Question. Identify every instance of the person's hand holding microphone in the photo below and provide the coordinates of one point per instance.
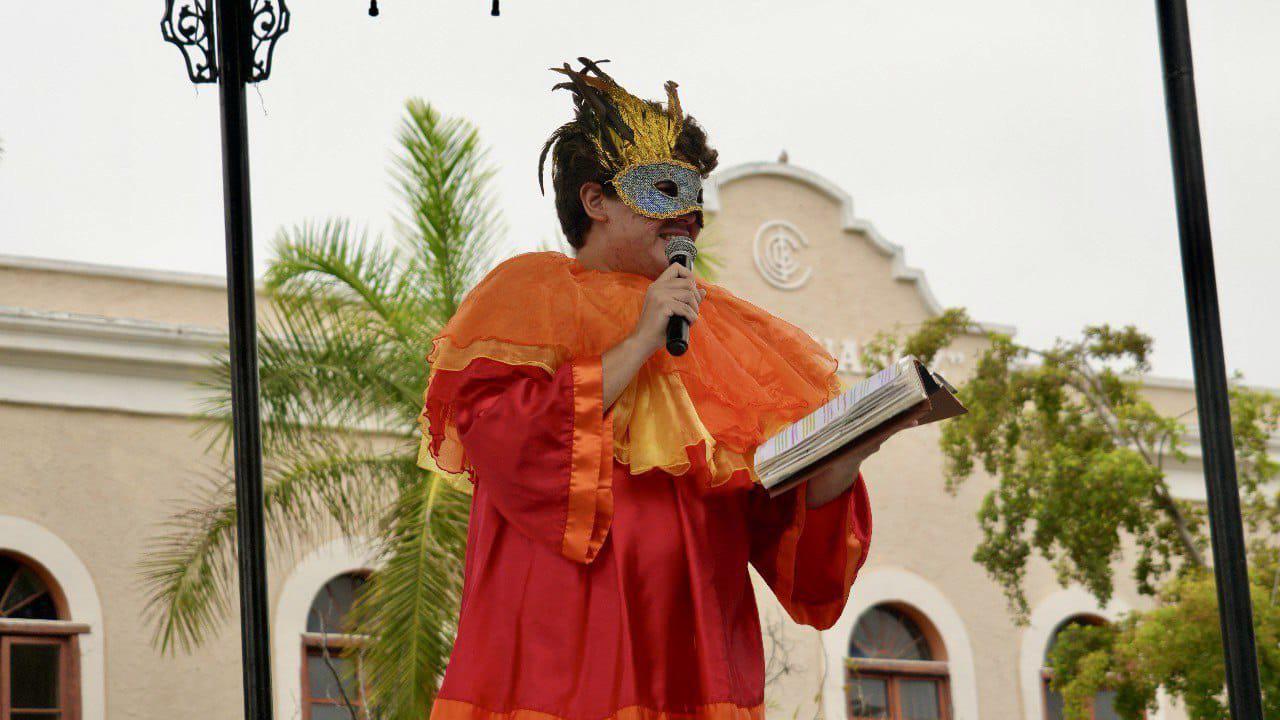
(673, 294)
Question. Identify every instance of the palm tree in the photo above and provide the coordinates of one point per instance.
(342, 372)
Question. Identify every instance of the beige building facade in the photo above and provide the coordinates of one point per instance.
(97, 366)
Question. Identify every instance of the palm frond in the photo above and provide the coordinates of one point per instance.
(330, 263)
(450, 223)
(189, 571)
(344, 347)
(322, 368)
(409, 607)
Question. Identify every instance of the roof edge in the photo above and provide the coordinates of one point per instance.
(124, 272)
(849, 221)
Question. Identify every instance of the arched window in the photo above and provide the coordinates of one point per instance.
(331, 685)
(39, 673)
(1103, 702)
(897, 667)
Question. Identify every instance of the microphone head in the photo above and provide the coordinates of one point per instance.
(681, 250)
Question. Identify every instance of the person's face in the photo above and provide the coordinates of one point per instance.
(631, 242)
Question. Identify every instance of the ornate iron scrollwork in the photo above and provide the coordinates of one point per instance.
(270, 20)
(189, 25)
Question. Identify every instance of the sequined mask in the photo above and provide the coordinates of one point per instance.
(661, 190)
(635, 142)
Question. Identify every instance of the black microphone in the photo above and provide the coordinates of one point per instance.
(679, 250)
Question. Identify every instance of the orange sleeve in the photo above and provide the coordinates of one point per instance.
(810, 556)
(542, 446)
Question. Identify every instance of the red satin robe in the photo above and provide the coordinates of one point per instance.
(590, 593)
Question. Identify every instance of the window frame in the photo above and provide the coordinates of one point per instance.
(61, 632)
(68, 672)
(893, 672)
(338, 645)
(1046, 676)
(1046, 672)
(314, 645)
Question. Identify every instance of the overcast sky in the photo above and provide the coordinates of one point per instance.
(1016, 149)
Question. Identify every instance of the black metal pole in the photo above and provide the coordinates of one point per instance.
(1235, 613)
(234, 62)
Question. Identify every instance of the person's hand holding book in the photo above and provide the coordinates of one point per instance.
(833, 474)
(828, 445)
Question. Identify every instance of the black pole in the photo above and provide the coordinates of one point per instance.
(1235, 613)
(234, 62)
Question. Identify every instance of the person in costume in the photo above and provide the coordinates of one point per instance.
(615, 508)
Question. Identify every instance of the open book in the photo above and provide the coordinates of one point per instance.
(904, 389)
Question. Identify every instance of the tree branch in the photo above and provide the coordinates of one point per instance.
(1087, 385)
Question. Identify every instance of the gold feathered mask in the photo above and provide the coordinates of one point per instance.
(634, 141)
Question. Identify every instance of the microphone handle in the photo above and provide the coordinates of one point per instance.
(677, 334)
(678, 325)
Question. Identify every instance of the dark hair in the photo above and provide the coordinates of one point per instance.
(575, 161)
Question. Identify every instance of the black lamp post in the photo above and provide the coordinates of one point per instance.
(231, 42)
(245, 40)
(1235, 612)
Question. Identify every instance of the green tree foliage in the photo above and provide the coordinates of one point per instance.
(1079, 456)
(1177, 645)
(342, 373)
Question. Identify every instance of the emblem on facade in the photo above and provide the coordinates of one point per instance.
(777, 248)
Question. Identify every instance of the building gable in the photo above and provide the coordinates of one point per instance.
(789, 241)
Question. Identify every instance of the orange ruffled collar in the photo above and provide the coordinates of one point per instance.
(746, 375)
